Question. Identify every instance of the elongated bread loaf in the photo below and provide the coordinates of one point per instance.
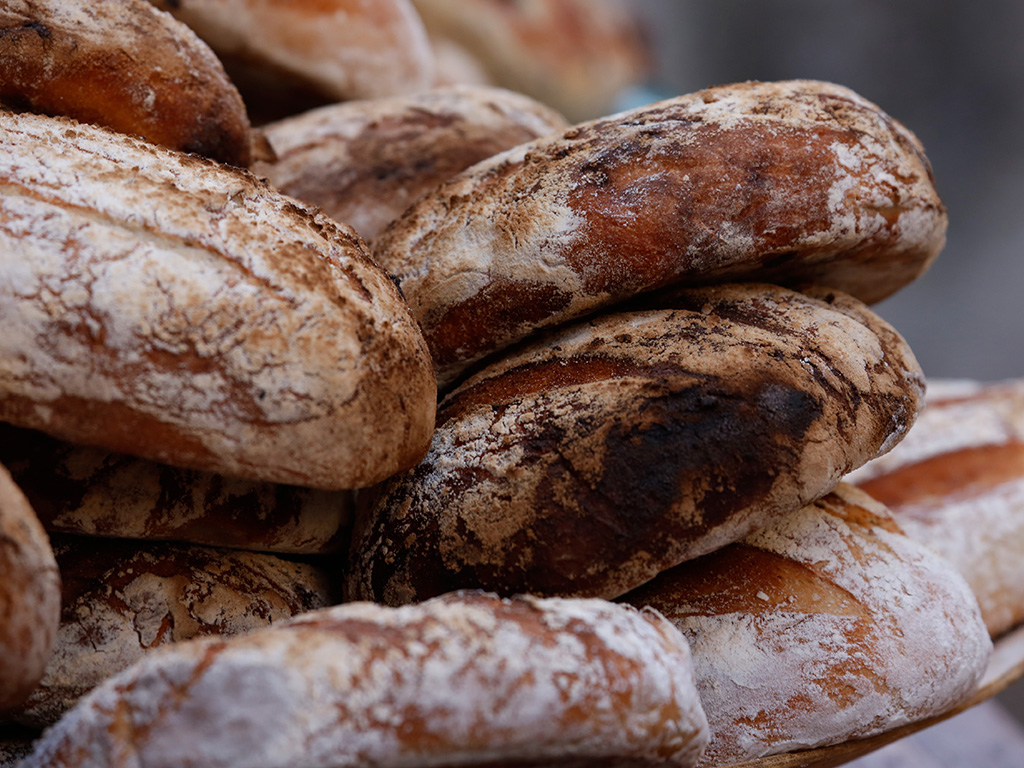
(957, 486)
(89, 491)
(123, 599)
(462, 680)
(364, 162)
(29, 597)
(589, 461)
(125, 65)
(782, 182)
(163, 306)
(827, 626)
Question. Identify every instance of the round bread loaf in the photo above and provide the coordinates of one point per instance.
(164, 306)
(576, 55)
(957, 486)
(123, 599)
(591, 460)
(29, 597)
(462, 680)
(83, 490)
(365, 162)
(331, 50)
(828, 625)
(125, 65)
(782, 182)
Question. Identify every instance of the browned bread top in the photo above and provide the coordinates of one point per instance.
(828, 625)
(164, 306)
(782, 182)
(605, 452)
(125, 65)
(29, 597)
(364, 162)
(462, 680)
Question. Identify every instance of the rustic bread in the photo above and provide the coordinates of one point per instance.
(57, 58)
(462, 680)
(781, 182)
(29, 597)
(331, 50)
(89, 491)
(164, 306)
(15, 744)
(123, 599)
(365, 162)
(827, 626)
(957, 486)
(576, 55)
(589, 461)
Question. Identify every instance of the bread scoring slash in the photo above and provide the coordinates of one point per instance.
(167, 307)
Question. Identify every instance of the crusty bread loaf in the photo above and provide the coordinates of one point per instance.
(333, 49)
(364, 162)
(782, 182)
(29, 597)
(462, 680)
(89, 491)
(827, 626)
(15, 744)
(164, 306)
(123, 599)
(957, 486)
(576, 55)
(125, 65)
(589, 461)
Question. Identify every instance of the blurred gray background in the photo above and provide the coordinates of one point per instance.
(953, 72)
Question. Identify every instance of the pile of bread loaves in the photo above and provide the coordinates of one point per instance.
(427, 426)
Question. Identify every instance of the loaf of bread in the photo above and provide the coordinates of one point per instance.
(15, 744)
(364, 162)
(957, 486)
(462, 680)
(303, 51)
(576, 55)
(164, 306)
(827, 626)
(125, 65)
(782, 182)
(29, 597)
(90, 491)
(591, 460)
(123, 599)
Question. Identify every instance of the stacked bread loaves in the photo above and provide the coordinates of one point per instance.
(618, 537)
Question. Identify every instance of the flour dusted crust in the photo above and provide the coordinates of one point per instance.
(125, 65)
(463, 680)
(29, 597)
(784, 182)
(576, 55)
(84, 490)
(588, 462)
(123, 599)
(337, 49)
(160, 305)
(364, 162)
(957, 486)
(828, 625)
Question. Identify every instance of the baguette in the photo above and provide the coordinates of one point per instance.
(170, 308)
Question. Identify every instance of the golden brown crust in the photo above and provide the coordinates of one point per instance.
(587, 462)
(462, 680)
(124, 65)
(364, 162)
(784, 182)
(29, 597)
(123, 599)
(576, 55)
(88, 491)
(826, 626)
(174, 309)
